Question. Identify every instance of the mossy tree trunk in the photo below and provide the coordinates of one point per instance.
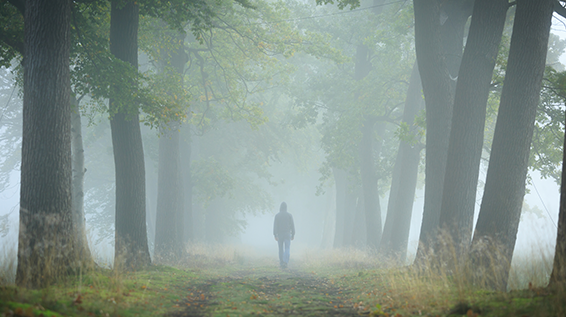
(46, 247)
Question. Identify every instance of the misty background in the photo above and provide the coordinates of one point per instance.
(295, 179)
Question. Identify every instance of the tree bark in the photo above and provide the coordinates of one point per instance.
(403, 180)
(77, 191)
(131, 249)
(468, 120)
(496, 229)
(437, 77)
(558, 275)
(46, 247)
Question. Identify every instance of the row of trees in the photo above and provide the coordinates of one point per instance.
(456, 83)
(356, 81)
(223, 84)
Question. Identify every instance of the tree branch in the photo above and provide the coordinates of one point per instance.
(558, 8)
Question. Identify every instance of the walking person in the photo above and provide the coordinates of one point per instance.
(284, 232)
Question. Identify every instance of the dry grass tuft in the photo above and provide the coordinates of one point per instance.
(8, 262)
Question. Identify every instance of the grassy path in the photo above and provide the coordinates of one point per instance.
(268, 291)
(336, 285)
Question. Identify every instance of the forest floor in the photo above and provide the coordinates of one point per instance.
(338, 284)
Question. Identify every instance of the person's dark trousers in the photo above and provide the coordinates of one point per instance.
(284, 242)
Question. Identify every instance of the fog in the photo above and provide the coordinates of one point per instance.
(284, 147)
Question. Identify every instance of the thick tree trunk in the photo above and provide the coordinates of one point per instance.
(496, 229)
(131, 249)
(170, 220)
(404, 180)
(77, 192)
(46, 247)
(437, 75)
(468, 121)
(558, 276)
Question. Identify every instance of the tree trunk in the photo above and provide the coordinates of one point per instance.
(437, 79)
(496, 229)
(168, 238)
(341, 181)
(131, 249)
(468, 120)
(350, 210)
(170, 218)
(558, 276)
(185, 154)
(367, 165)
(359, 235)
(404, 180)
(454, 16)
(369, 185)
(77, 192)
(46, 247)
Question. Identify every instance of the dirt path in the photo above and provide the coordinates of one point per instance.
(268, 292)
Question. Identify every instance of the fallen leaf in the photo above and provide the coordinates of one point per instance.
(78, 300)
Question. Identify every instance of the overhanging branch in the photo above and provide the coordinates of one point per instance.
(558, 8)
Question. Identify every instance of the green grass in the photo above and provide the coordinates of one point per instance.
(226, 281)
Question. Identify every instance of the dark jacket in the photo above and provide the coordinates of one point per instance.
(283, 225)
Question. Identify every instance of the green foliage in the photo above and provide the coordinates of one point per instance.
(412, 133)
(341, 3)
(330, 94)
(212, 180)
(548, 138)
(11, 33)
(239, 59)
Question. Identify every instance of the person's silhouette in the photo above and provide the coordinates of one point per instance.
(284, 232)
